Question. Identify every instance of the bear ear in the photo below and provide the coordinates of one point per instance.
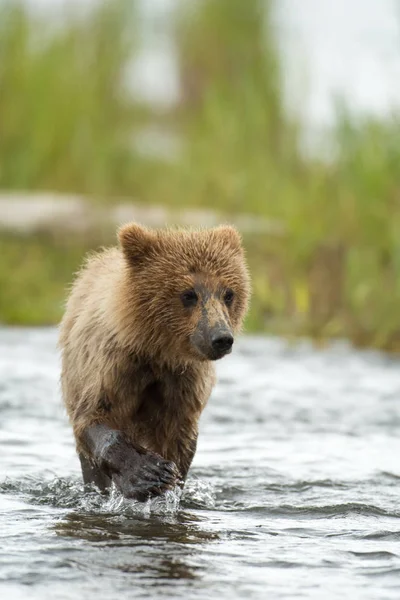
(136, 242)
(229, 236)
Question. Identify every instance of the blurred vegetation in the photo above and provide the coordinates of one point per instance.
(34, 275)
(68, 123)
(66, 119)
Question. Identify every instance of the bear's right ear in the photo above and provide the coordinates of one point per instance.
(136, 242)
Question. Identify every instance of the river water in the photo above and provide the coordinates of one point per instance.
(294, 491)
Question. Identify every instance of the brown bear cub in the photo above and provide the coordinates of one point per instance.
(142, 327)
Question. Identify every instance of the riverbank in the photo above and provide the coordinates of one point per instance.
(44, 238)
(31, 213)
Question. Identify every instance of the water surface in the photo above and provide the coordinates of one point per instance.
(294, 491)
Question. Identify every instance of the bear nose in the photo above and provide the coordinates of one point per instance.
(222, 342)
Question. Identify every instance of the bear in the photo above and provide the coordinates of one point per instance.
(142, 327)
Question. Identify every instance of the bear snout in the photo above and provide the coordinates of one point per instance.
(221, 343)
(214, 343)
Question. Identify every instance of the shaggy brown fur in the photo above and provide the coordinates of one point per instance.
(137, 343)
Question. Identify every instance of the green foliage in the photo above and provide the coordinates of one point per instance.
(68, 123)
(236, 132)
(35, 272)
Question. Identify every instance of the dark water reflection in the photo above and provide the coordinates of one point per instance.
(294, 492)
(156, 550)
(181, 529)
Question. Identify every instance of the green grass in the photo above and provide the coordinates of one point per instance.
(35, 273)
(327, 297)
(335, 271)
(68, 124)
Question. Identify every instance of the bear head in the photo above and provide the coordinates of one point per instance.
(186, 291)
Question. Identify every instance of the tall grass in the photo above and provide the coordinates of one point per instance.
(236, 131)
(35, 272)
(334, 271)
(68, 123)
(66, 119)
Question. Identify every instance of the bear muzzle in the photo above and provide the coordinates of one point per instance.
(214, 343)
(222, 343)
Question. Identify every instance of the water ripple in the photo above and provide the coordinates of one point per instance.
(294, 491)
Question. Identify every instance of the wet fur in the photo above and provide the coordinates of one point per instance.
(128, 360)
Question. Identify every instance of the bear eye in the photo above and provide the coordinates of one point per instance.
(189, 298)
(228, 297)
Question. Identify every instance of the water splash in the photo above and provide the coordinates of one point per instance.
(167, 504)
(198, 493)
(72, 494)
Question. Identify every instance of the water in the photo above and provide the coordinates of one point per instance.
(294, 491)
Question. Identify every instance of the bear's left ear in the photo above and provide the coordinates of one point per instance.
(229, 236)
(137, 242)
